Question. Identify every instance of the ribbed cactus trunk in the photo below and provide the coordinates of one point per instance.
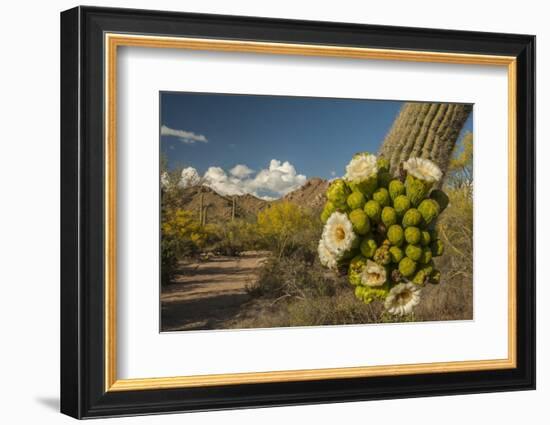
(425, 130)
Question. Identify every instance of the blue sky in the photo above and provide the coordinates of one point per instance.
(316, 136)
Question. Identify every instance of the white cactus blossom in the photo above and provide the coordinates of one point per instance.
(423, 169)
(373, 274)
(402, 299)
(338, 235)
(327, 258)
(361, 167)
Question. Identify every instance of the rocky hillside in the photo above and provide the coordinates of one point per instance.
(311, 194)
(219, 207)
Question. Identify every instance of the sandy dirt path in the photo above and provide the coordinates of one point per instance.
(210, 293)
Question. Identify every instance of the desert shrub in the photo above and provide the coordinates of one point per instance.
(337, 309)
(342, 308)
(456, 224)
(456, 231)
(286, 227)
(181, 236)
(452, 299)
(234, 237)
(292, 277)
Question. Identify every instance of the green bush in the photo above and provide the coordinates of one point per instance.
(234, 237)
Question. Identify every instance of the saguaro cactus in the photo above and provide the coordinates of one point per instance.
(425, 130)
(204, 215)
(233, 207)
(201, 207)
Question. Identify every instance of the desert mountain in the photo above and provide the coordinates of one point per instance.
(311, 194)
(219, 207)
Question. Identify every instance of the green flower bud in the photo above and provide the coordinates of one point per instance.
(415, 189)
(373, 210)
(396, 188)
(383, 164)
(414, 252)
(407, 267)
(428, 268)
(425, 238)
(382, 255)
(426, 255)
(360, 221)
(437, 248)
(435, 277)
(396, 254)
(389, 216)
(401, 204)
(395, 235)
(356, 266)
(327, 211)
(429, 210)
(384, 179)
(420, 278)
(338, 192)
(382, 196)
(371, 293)
(366, 187)
(356, 200)
(412, 218)
(441, 198)
(368, 247)
(412, 235)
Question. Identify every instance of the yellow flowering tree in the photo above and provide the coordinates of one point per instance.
(283, 225)
(181, 236)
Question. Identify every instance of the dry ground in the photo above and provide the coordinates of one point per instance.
(212, 295)
(208, 294)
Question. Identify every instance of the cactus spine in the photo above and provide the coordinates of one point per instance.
(425, 130)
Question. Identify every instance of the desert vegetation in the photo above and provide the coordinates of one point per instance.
(289, 286)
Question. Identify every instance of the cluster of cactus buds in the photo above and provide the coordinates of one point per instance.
(393, 222)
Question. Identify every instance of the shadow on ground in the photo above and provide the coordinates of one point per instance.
(201, 313)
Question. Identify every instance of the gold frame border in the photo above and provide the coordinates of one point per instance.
(113, 41)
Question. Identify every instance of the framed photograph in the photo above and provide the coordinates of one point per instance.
(261, 212)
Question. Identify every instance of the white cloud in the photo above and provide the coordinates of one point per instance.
(189, 177)
(184, 136)
(279, 178)
(270, 183)
(241, 171)
(217, 179)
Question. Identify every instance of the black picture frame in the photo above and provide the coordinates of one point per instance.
(83, 392)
